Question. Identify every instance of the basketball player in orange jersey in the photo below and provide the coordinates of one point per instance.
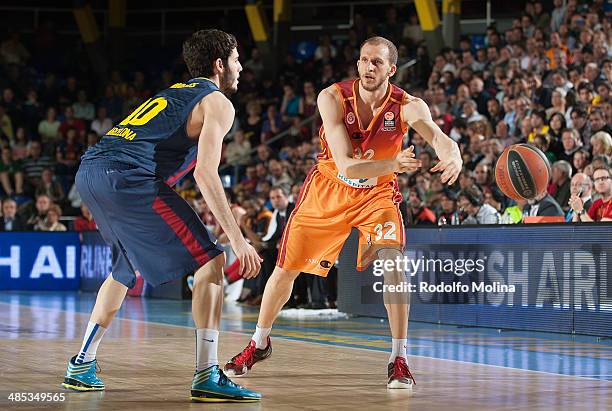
(354, 185)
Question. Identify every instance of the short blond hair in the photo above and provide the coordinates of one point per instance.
(378, 40)
(605, 139)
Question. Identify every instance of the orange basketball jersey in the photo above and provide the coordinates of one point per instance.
(379, 140)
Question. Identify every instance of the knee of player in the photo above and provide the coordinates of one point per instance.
(390, 265)
(219, 261)
(212, 271)
(282, 275)
(392, 254)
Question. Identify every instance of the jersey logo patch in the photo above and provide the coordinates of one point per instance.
(350, 118)
(389, 121)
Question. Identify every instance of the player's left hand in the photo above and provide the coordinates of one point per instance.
(450, 163)
(406, 163)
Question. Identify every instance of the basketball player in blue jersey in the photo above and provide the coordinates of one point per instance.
(126, 180)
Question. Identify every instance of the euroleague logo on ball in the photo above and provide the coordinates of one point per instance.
(350, 118)
(521, 178)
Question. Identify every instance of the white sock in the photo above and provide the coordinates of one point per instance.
(261, 337)
(207, 341)
(92, 339)
(398, 348)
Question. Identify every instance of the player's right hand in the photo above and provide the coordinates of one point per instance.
(405, 161)
(250, 261)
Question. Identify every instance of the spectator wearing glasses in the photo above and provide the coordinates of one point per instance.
(582, 187)
(601, 210)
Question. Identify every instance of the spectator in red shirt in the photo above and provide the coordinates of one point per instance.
(601, 210)
(85, 221)
(417, 212)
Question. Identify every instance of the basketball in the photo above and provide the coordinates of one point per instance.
(522, 172)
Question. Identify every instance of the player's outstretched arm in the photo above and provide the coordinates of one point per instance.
(342, 150)
(218, 114)
(418, 117)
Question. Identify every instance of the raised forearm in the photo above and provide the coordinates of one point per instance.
(436, 138)
(354, 168)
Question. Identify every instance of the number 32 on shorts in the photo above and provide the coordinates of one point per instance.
(385, 231)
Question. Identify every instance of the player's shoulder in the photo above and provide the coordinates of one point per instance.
(412, 103)
(407, 98)
(216, 102)
(329, 95)
(214, 105)
(413, 108)
(340, 89)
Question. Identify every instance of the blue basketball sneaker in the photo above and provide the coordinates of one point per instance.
(82, 377)
(212, 385)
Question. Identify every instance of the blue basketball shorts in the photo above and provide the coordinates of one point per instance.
(149, 227)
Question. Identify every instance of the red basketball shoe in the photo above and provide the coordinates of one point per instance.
(399, 374)
(240, 364)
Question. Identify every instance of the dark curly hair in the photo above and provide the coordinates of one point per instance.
(204, 47)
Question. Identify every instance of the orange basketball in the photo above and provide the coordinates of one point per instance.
(522, 172)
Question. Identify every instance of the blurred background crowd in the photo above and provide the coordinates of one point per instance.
(546, 81)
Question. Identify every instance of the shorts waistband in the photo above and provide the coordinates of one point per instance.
(328, 174)
(103, 162)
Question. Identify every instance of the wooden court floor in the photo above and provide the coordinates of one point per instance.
(148, 366)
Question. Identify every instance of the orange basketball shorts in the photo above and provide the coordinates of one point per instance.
(324, 215)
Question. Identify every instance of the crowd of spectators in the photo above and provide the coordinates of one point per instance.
(545, 81)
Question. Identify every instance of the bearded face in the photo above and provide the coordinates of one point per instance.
(228, 79)
(374, 67)
(228, 82)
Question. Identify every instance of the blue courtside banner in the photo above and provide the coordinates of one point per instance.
(96, 261)
(536, 277)
(39, 261)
